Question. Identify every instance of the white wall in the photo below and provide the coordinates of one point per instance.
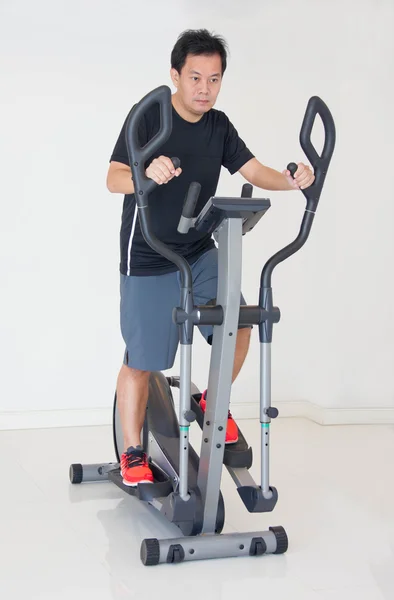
(70, 72)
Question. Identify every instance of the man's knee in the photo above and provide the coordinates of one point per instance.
(135, 374)
(244, 333)
(243, 339)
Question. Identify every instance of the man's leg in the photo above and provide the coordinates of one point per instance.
(131, 398)
(205, 281)
(132, 395)
(241, 350)
(151, 342)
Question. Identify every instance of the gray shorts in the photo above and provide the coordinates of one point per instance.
(146, 305)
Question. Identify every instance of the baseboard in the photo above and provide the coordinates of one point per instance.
(319, 414)
(43, 419)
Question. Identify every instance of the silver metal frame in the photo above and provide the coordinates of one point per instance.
(209, 545)
(184, 425)
(221, 368)
(265, 403)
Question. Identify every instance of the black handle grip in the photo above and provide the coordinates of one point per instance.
(320, 164)
(292, 167)
(191, 200)
(176, 162)
(137, 155)
(247, 190)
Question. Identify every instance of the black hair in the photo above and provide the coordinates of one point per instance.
(197, 42)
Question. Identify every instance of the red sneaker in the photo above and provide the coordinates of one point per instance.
(134, 467)
(232, 429)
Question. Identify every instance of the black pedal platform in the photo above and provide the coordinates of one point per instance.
(146, 492)
(237, 456)
(254, 500)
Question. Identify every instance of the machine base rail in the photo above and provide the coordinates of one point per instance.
(202, 547)
(99, 472)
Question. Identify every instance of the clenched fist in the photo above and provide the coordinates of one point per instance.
(303, 178)
(161, 170)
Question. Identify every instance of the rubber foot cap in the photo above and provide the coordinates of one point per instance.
(150, 552)
(282, 542)
(76, 473)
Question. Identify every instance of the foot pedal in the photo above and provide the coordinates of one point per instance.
(252, 497)
(162, 485)
(237, 456)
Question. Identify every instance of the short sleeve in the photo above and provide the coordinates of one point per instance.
(235, 152)
(119, 153)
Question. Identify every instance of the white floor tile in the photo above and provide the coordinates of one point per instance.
(41, 557)
(335, 501)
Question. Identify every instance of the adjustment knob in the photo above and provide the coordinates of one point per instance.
(272, 412)
(189, 415)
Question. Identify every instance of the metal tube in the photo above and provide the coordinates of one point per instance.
(210, 546)
(220, 370)
(287, 251)
(184, 425)
(265, 403)
(98, 472)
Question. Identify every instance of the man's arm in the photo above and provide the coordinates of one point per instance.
(264, 177)
(119, 179)
(268, 179)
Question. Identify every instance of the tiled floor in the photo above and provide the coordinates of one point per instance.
(336, 501)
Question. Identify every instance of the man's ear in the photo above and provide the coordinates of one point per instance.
(174, 76)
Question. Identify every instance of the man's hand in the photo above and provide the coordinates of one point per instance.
(161, 170)
(304, 177)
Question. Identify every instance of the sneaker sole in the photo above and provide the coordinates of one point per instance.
(136, 483)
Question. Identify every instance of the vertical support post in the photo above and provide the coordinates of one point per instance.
(265, 403)
(221, 369)
(184, 425)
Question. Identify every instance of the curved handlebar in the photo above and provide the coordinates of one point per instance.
(142, 184)
(320, 164)
(137, 155)
(312, 194)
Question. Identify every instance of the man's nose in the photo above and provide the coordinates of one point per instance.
(204, 88)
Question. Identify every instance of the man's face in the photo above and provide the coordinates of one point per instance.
(199, 82)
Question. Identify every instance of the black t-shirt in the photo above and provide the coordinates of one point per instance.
(202, 148)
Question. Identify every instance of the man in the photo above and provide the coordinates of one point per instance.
(204, 140)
